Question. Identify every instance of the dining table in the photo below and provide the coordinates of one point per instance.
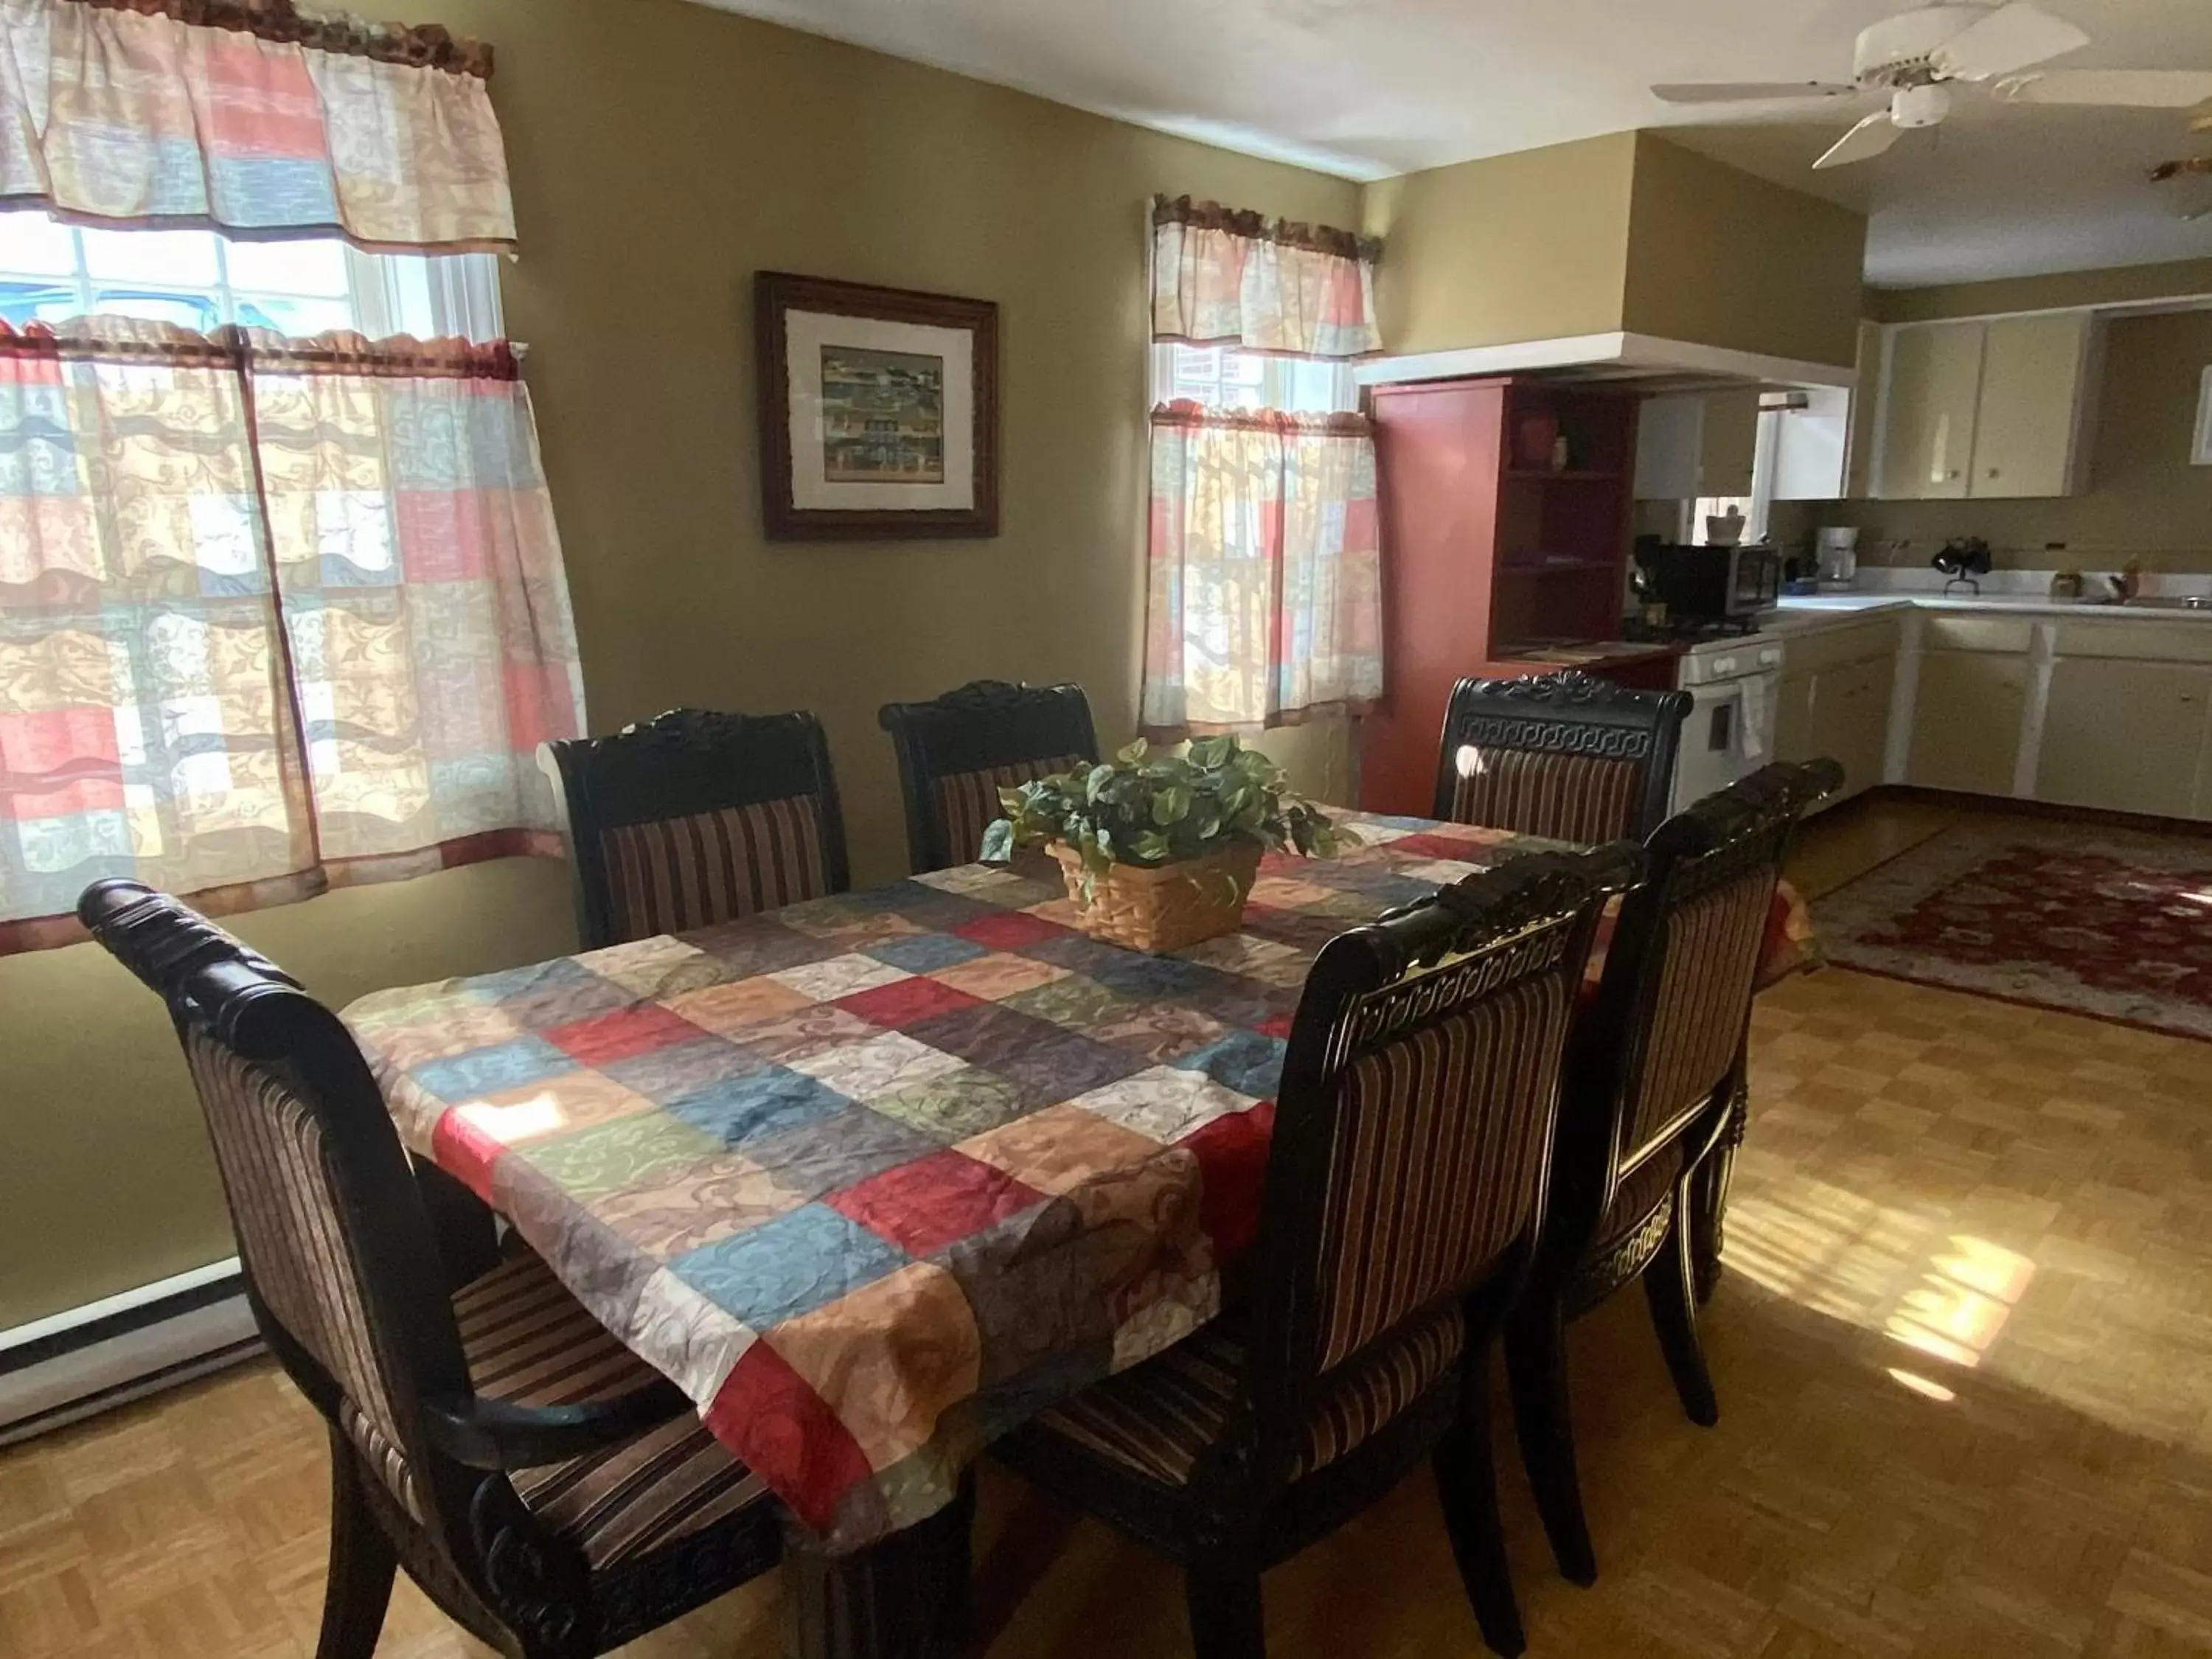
(877, 1177)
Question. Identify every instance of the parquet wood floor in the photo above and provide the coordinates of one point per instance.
(1964, 1352)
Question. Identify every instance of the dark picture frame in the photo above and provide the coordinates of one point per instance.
(911, 445)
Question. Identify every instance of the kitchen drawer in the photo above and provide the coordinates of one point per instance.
(1831, 647)
(2007, 633)
(2136, 641)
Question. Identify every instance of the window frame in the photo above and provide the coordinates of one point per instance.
(388, 294)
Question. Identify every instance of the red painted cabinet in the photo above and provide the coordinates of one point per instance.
(1498, 559)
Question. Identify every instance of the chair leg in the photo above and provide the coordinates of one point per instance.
(1226, 1621)
(1467, 1480)
(1669, 1288)
(1537, 1366)
(362, 1564)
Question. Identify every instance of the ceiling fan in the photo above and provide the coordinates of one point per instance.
(1915, 56)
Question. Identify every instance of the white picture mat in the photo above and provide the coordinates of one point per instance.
(806, 332)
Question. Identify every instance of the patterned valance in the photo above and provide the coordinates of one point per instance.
(253, 118)
(1225, 277)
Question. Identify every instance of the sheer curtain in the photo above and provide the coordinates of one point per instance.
(274, 615)
(1264, 579)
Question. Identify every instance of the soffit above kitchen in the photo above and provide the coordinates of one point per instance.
(1370, 88)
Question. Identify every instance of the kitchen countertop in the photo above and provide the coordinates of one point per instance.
(1794, 615)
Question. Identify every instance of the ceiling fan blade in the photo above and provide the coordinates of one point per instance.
(2135, 88)
(1863, 142)
(2010, 38)
(1734, 91)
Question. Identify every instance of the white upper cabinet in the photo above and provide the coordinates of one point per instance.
(1695, 444)
(1988, 410)
(1931, 394)
(2032, 423)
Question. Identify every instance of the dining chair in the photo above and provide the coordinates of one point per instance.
(1404, 1197)
(1567, 755)
(1655, 1059)
(956, 752)
(552, 1493)
(694, 817)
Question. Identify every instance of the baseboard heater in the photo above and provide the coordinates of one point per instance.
(91, 1359)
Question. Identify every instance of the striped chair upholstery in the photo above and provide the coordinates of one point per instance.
(1160, 1419)
(530, 1343)
(694, 818)
(968, 802)
(1709, 963)
(1576, 798)
(1399, 1221)
(295, 1240)
(955, 752)
(1640, 1191)
(616, 1512)
(1566, 756)
(1643, 1121)
(1438, 1162)
(677, 874)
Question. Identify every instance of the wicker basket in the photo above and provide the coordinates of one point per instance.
(1168, 908)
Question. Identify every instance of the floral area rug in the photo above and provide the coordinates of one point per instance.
(2110, 923)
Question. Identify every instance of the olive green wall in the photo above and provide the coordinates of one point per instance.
(1722, 258)
(2119, 285)
(1532, 245)
(1625, 232)
(662, 153)
(2144, 498)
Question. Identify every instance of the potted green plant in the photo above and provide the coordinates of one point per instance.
(1160, 849)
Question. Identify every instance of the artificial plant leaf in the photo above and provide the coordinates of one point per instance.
(998, 843)
(1134, 754)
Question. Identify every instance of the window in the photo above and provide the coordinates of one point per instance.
(1221, 378)
(273, 617)
(198, 280)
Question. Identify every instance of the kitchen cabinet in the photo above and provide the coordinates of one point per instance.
(2127, 737)
(1834, 701)
(2031, 417)
(1865, 407)
(1853, 711)
(2000, 409)
(1968, 716)
(1931, 393)
(1693, 445)
(1812, 442)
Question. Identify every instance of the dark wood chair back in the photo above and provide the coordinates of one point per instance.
(956, 752)
(1566, 756)
(1413, 1134)
(628, 1516)
(1673, 1008)
(693, 818)
(340, 1264)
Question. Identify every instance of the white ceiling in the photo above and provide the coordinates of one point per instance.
(1366, 89)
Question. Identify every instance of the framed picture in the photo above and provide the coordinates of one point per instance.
(878, 411)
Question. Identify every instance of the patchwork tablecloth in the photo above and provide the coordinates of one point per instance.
(877, 1177)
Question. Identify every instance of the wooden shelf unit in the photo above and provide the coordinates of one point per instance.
(1489, 555)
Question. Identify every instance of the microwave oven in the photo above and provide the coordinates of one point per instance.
(1710, 584)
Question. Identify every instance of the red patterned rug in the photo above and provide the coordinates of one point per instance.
(2110, 923)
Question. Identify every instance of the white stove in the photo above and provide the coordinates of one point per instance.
(1733, 684)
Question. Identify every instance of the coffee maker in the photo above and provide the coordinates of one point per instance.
(1837, 552)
